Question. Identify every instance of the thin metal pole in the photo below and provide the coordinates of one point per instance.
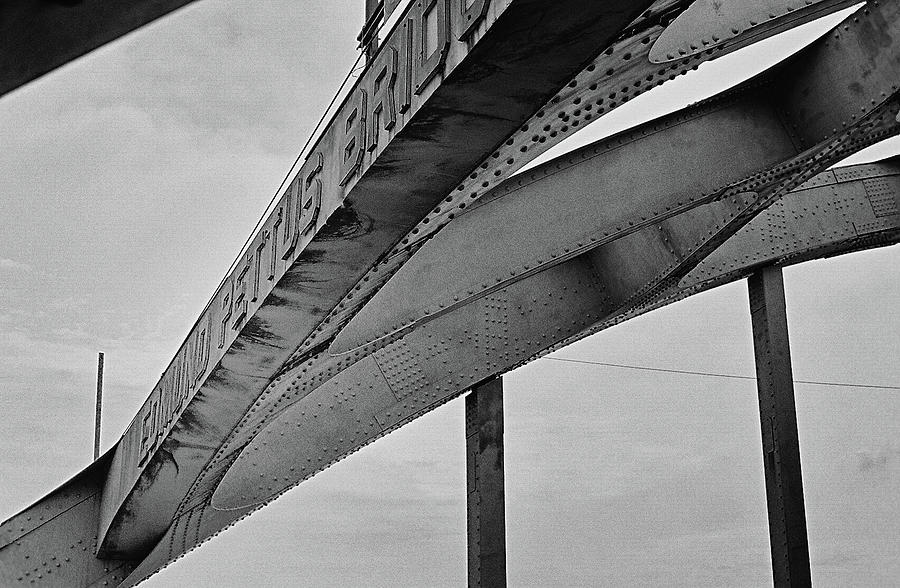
(99, 406)
(778, 417)
(485, 487)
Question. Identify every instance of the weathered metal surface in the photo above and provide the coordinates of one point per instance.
(445, 359)
(231, 416)
(334, 419)
(38, 36)
(730, 24)
(452, 353)
(567, 297)
(845, 74)
(53, 542)
(752, 139)
(695, 231)
(778, 419)
(599, 193)
(486, 496)
(618, 74)
(831, 214)
(699, 229)
(362, 188)
(333, 256)
(341, 250)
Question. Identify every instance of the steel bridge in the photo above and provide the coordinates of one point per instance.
(410, 260)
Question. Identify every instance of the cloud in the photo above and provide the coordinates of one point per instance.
(12, 265)
(877, 461)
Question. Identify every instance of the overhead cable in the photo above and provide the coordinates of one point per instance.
(714, 374)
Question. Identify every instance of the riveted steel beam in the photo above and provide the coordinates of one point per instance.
(382, 201)
(363, 186)
(778, 418)
(765, 137)
(394, 380)
(840, 211)
(730, 24)
(256, 401)
(486, 497)
(617, 75)
(51, 543)
(388, 383)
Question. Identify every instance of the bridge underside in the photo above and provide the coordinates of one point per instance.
(496, 271)
(837, 212)
(38, 36)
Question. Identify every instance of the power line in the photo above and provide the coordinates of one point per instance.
(714, 375)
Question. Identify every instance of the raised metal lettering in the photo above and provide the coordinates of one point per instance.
(471, 13)
(289, 224)
(202, 351)
(256, 267)
(146, 423)
(434, 41)
(273, 259)
(312, 197)
(406, 64)
(241, 304)
(226, 308)
(352, 146)
(384, 103)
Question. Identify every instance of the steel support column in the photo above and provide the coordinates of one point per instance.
(484, 482)
(778, 417)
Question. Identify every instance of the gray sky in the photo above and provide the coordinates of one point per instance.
(128, 182)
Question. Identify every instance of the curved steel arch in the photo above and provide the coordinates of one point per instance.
(279, 381)
(840, 211)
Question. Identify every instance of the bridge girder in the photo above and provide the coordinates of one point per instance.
(840, 211)
(360, 190)
(837, 212)
(757, 141)
(393, 381)
(155, 504)
(416, 373)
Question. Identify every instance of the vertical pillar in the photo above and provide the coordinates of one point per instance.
(98, 408)
(484, 481)
(778, 417)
